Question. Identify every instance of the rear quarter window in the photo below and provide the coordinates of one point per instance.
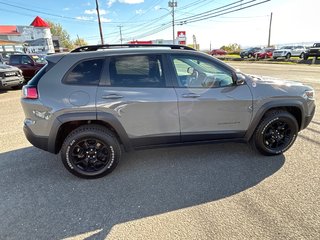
(87, 72)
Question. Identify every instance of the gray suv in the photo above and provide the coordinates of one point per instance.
(97, 101)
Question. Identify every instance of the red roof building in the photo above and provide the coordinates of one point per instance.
(9, 30)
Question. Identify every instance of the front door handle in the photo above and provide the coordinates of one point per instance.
(112, 96)
(190, 95)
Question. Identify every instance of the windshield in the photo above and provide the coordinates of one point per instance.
(39, 59)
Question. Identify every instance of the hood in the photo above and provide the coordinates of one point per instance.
(265, 80)
(4, 68)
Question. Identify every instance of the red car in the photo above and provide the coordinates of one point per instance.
(218, 52)
(30, 64)
(265, 53)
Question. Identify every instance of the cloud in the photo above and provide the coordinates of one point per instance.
(111, 2)
(84, 18)
(94, 11)
(157, 7)
(131, 1)
(140, 12)
(66, 9)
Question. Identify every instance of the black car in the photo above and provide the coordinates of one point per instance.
(249, 52)
(314, 51)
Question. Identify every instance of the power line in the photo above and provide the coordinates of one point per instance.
(216, 15)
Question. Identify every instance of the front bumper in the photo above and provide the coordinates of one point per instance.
(307, 119)
(11, 82)
(279, 54)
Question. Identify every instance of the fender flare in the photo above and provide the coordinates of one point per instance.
(270, 105)
(107, 118)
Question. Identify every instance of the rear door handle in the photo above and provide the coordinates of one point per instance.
(112, 96)
(190, 95)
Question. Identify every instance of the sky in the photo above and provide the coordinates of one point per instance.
(293, 21)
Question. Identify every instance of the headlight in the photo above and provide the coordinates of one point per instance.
(309, 94)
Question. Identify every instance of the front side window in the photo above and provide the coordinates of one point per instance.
(26, 60)
(85, 73)
(197, 73)
(136, 71)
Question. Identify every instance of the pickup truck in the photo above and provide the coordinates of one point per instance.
(314, 51)
(30, 64)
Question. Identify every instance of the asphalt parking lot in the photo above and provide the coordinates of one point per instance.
(220, 191)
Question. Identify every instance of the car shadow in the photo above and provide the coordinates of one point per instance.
(41, 200)
(3, 90)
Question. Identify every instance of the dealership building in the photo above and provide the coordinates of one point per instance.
(35, 38)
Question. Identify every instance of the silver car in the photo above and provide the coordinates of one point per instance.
(289, 51)
(95, 102)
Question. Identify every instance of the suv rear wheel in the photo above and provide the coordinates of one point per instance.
(276, 133)
(90, 151)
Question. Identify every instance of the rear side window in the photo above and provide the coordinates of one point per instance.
(85, 73)
(137, 71)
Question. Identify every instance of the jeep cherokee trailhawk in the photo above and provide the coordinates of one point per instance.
(95, 102)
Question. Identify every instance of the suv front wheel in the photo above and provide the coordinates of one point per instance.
(276, 133)
(90, 151)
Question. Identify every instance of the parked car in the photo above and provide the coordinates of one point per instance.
(30, 64)
(249, 52)
(4, 56)
(87, 103)
(265, 53)
(289, 51)
(10, 76)
(218, 52)
(314, 51)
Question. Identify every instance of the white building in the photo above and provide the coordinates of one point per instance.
(35, 38)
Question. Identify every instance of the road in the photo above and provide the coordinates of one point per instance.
(220, 191)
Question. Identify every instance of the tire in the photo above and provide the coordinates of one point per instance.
(249, 55)
(274, 58)
(276, 133)
(90, 151)
(302, 55)
(305, 57)
(288, 56)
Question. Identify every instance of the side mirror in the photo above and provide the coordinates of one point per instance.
(240, 79)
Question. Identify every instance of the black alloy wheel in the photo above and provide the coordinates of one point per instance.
(275, 133)
(90, 155)
(90, 151)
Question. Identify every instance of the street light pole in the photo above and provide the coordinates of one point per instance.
(120, 26)
(172, 5)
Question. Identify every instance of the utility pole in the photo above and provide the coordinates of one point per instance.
(120, 26)
(100, 28)
(270, 30)
(173, 4)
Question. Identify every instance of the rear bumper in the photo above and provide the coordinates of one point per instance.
(37, 141)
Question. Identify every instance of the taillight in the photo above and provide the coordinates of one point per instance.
(30, 92)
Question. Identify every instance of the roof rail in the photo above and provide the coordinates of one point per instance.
(90, 48)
